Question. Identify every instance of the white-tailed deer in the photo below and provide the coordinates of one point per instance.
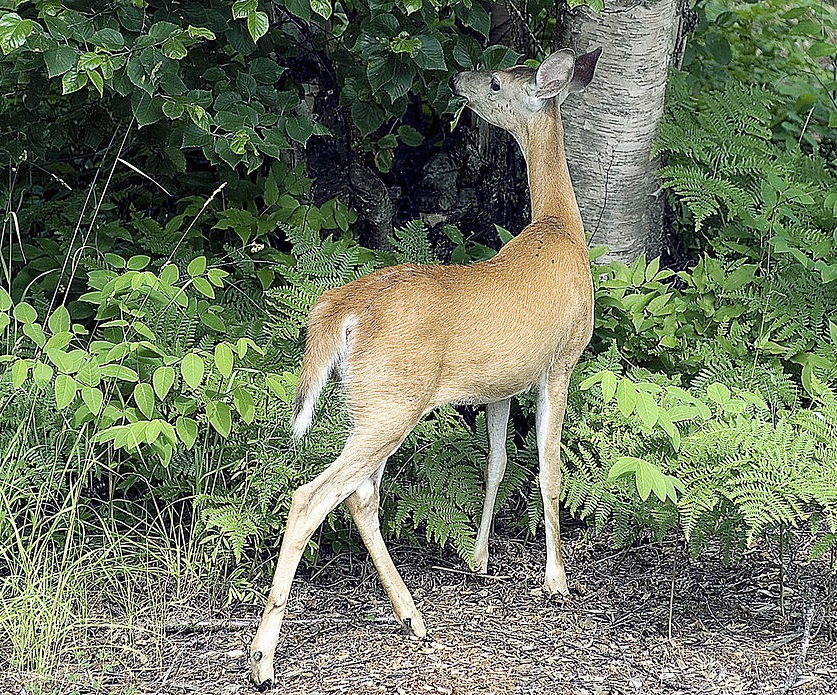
(409, 338)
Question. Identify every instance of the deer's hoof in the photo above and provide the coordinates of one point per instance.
(414, 626)
(261, 671)
(557, 587)
(480, 563)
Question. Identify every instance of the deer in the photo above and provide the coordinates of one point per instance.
(410, 338)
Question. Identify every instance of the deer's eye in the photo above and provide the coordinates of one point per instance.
(495, 83)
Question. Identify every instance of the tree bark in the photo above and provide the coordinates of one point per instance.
(611, 126)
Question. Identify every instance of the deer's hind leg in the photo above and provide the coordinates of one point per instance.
(365, 452)
(363, 505)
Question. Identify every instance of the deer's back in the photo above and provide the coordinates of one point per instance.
(468, 333)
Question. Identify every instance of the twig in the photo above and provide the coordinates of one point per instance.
(219, 625)
(671, 596)
(175, 662)
(782, 568)
(212, 625)
(810, 613)
(805, 125)
(471, 574)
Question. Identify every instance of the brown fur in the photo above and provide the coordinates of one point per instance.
(440, 334)
(412, 337)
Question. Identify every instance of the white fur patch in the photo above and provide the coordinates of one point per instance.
(339, 360)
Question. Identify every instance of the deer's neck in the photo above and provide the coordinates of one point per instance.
(550, 189)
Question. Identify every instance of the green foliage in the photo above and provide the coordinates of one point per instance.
(167, 245)
(790, 47)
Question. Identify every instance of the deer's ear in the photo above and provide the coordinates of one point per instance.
(583, 70)
(554, 74)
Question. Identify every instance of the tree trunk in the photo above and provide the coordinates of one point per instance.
(610, 127)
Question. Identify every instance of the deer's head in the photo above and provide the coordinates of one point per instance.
(510, 98)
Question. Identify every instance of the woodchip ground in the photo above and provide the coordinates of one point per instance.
(731, 631)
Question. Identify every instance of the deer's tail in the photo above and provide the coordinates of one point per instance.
(326, 346)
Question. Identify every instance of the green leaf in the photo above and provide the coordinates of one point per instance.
(119, 371)
(718, 47)
(197, 266)
(200, 33)
(13, 31)
(65, 390)
(477, 18)
(89, 374)
(97, 81)
(265, 277)
(25, 313)
(224, 359)
(670, 428)
(191, 369)
(274, 383)
(367, 116)
(243, 8)
(626, 397)
(213, 321)
(144, 398)
(410, 136)
(163, 380)
(173, 48)
(59, 59)
(187, 430)
(624, 465)
(656, 479)
(216, 276)
(147, 110)
(138, 262)
(822, 49)
(108, 38)
(643, 480)
(321, 7)
(646, 408)
(219, 415)
(35, 333)
(299, 128)
(169, 274)
(72, 81)
(57, 28)
(203, 286)
(5, 300)
(718, 393)
(92, 398)
(265, 70)
(430, 56)
(244, 404)
(20, 370)
(257, 25)
(42, 373)
(609, 383)
(59, 322)
(591, 381)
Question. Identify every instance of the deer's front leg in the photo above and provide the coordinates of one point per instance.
(552, 403)
(497, 420)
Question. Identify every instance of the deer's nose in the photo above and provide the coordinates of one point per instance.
(453, 81)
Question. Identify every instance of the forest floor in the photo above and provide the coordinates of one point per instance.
(722, 631)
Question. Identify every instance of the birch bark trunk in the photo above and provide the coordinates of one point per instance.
(610, 127)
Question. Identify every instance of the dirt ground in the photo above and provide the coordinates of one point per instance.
(731, 631)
